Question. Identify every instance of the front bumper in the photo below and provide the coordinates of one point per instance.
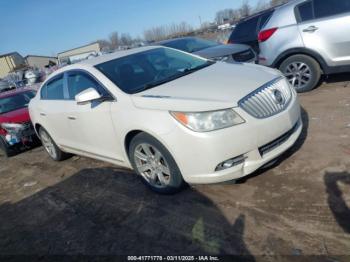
(258, 140)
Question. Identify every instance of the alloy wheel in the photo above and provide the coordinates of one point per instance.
(48, 144)
(152, 165)
(298, 74)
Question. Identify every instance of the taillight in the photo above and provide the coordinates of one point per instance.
(3, 131)
(266, 34)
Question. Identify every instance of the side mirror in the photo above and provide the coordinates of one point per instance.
(88, 95)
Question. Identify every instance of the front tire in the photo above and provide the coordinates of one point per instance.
(154, 163)
(5, 148)
(302, 71)
(50, 146)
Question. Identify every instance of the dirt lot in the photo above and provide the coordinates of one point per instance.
(301, 206)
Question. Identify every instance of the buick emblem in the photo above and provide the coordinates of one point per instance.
(278, 97)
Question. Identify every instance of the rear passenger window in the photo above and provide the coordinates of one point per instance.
(54, 89)
(324, 8)
(43, 92)
(305, 11)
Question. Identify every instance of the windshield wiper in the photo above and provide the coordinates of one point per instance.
(192, 69)
(157, 83)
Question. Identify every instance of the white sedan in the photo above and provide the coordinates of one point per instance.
(171, 116)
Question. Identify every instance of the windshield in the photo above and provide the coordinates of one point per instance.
(17, 101)
(144, 70)
(190, 45)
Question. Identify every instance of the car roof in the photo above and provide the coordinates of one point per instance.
(285, 5)
(14, 92)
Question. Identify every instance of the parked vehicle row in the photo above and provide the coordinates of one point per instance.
(303, 38)
(171, 116)
(229, 53)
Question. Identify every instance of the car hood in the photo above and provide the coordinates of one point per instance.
(218, 86)
(16, 116)
(222, 50)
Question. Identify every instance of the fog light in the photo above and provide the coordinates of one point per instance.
(230, 163)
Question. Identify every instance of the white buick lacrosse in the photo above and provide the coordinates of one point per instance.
(171, 116)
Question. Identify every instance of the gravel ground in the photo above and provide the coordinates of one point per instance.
(300, 206)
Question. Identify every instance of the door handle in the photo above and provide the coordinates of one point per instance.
(310, 29)
(72, 118)
(42, 114)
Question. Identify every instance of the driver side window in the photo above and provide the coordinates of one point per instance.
(78, 82)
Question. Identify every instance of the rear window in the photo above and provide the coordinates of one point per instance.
(264, 19)
(248, 30)
(15, 102)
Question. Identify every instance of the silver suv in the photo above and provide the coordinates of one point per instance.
(307, 38)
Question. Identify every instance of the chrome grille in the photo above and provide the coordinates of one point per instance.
(268, 100)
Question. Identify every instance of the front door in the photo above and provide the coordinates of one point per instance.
(91, 123)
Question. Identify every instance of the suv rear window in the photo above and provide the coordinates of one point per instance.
(248, 29)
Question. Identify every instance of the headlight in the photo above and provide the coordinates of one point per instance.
(221, 58)
(208, 121)
(12, 127)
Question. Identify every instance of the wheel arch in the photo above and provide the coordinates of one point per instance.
(129, 136)
(301, 51)
(132, 133)
(37, 127)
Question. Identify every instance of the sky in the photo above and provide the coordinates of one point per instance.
(41, 27)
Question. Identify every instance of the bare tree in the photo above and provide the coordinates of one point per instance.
(104, 45)
(245, 9)
(114, 40)
(261, 5)
(125, 39)
(226, 15)
(278, 2)
(163, 32)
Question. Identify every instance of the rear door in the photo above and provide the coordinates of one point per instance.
(51, 107)
(325, 28)
(91, 123)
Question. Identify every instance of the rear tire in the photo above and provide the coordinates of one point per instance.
(50, 146)
(302, 71)
(155, 165)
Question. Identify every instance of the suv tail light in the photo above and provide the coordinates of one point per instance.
(266, 34)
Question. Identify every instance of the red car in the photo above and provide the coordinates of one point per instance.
(16, 129)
